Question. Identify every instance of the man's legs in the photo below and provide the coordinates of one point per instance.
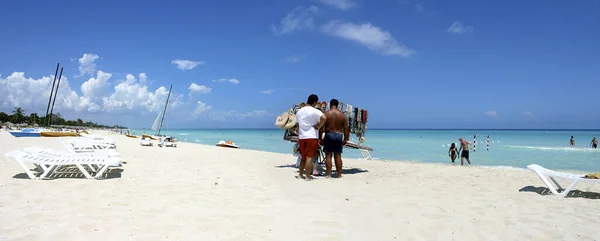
(310, 147)
(338, 164)
(302, 157)
(309, 167)
(328, 164)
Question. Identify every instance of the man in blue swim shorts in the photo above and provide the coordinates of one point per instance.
(336, 136)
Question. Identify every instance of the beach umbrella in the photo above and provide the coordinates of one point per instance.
(8, 124)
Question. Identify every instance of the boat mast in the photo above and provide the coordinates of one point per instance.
(165, 111)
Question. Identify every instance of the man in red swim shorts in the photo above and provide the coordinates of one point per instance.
(310, 120)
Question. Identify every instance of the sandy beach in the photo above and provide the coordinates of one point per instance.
(199, 192)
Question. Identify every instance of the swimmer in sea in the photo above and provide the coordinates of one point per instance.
(453, 152)
(572, 141)
(464, 146)
(594, 143)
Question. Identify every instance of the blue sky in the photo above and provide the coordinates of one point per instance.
(234, 63)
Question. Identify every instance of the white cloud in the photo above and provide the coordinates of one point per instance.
(256, 113)
(528, 114)
(340, 4)
(419, 7)
(294, 59)
(143, 78)
(369, 36)
(16, 90)
(233, 115)
(202, 89)
(458, 27)
(186, 64)
(132, 94)
(232, 81)
(96, 87)
(300, 18)
(267, 92)
(491, 113)
(201, 107)
(87, 65)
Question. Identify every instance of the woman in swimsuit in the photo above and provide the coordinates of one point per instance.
(453, 152)
(572, 141)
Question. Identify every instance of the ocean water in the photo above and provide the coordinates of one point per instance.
(508, 148)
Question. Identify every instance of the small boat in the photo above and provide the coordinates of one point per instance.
(130, 136)
(26, 132)
(57, 134)
(150, 137)
(228, 144)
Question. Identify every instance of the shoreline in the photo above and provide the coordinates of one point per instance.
(205, 192)
(457, 162)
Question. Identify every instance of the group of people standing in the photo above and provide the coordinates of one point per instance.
(315, 129)
(593, 143)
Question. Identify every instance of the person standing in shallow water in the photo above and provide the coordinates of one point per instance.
(453, 152)
(594, 143)
(572, 141)
(464, 146)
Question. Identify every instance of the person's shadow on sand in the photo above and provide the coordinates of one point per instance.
(345, 171)
(572, 194)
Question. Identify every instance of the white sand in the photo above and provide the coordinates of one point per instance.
(197, 192)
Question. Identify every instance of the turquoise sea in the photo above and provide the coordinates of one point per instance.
(508, 148)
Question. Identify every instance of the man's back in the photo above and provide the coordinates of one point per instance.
(307, 118)
(336, 121)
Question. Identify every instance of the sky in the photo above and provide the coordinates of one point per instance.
(240, 63)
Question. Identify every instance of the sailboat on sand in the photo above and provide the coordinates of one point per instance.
(158, 122)
(164, 140)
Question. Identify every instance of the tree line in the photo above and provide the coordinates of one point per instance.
(18, 116)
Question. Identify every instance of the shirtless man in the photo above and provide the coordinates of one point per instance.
(464, 146)
(572, 141)
(336, 136)
(594, 143)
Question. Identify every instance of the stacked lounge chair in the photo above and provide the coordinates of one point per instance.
(47, 161)
(92, 157)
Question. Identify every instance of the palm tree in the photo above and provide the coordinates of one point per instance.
(33, 118)
(18, 114)
(4, 117)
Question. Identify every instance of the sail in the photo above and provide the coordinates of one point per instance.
(156, 124)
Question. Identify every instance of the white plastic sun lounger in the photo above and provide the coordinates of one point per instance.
(62, 154)
(48, 164)
(103, 139)
(365, 155)
(548, 176)
(87, 146)
(59, 153)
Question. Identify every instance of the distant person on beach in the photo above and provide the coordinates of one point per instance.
(594, 143)
(464, 146)
(310, 121)
(572, 141)
(336, 136)
(453, 152)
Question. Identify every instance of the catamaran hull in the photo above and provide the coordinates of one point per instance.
(58, 134)
(24, 134)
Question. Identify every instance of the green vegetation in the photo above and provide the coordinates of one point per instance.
(18, 116)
